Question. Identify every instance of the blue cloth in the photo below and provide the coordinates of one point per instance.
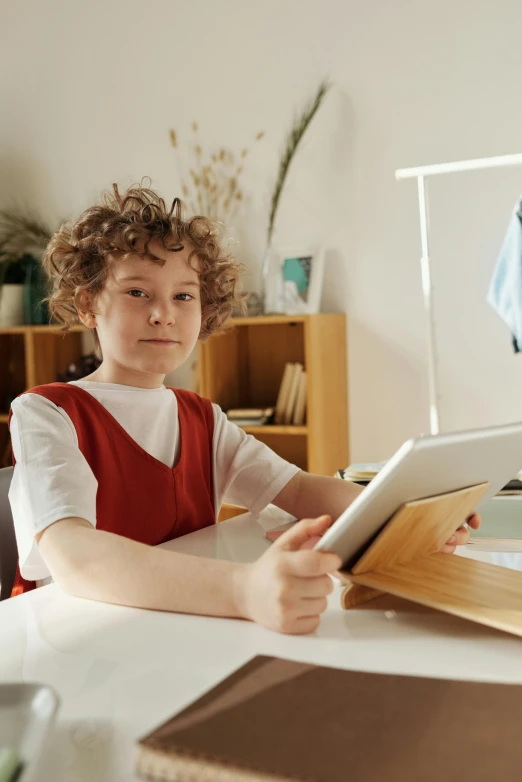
(505, 288)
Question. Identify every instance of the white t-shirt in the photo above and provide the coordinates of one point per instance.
(53, 480)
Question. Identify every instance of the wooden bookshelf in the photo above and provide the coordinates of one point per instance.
(244, 367)
(241, 368)
(30, 356)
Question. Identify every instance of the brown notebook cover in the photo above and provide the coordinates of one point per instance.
(276, 720)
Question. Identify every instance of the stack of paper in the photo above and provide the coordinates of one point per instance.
(361, 472)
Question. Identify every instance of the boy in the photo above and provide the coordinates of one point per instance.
(113, 464)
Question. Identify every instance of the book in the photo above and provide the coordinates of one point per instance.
(250, 421)
(513, 487)
(250, 412)
(292, 394)
(300, 404)
(284, 390)
(250, 416)
(362, 472)
(276, 720)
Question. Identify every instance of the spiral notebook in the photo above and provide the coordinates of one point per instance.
(276, 720)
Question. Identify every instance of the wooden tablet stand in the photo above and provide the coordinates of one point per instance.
(405, 560)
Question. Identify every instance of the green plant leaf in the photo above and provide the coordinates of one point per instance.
(22, 231)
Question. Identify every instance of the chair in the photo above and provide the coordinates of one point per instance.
(8, 549)
(229, 511)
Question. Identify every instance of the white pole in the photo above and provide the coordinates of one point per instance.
(461, 165)
(427, 289)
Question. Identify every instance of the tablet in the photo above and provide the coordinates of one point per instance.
(424, 467)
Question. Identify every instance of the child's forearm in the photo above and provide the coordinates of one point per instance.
(307, 495)
(99, 565)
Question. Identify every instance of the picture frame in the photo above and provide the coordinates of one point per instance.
(295, 280)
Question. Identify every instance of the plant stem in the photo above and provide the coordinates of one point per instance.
(295, 135)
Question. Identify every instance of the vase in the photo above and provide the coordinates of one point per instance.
(11, 305)
(36, 311)
(271, 282)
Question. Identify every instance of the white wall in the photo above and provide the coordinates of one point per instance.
(88, 92)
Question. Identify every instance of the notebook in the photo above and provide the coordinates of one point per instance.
(276, 720)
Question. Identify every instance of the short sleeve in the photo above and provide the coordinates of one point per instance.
(246, 471)
(51, 480)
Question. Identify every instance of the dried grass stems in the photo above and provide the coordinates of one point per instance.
(211, 184)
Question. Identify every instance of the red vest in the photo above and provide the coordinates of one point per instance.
(138, 496)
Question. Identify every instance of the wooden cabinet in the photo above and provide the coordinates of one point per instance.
(244, 367)
(241, 368)
(31, 356)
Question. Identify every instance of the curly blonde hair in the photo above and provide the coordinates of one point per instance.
(77, 258)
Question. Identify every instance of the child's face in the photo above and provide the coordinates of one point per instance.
(142, 302)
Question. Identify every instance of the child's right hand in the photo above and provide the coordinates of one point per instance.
(286, 589)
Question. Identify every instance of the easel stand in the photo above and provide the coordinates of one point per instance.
(405, 560)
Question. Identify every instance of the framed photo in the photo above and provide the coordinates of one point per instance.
(295, 280)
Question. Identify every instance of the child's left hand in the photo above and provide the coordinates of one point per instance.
(461, 536)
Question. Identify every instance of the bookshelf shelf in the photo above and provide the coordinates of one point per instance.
(243, 368)
(53, 329)
(260, 320)
(272, 429)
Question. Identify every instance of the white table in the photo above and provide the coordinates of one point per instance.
(122, 671)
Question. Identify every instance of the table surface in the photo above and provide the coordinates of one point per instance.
(120, 672)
